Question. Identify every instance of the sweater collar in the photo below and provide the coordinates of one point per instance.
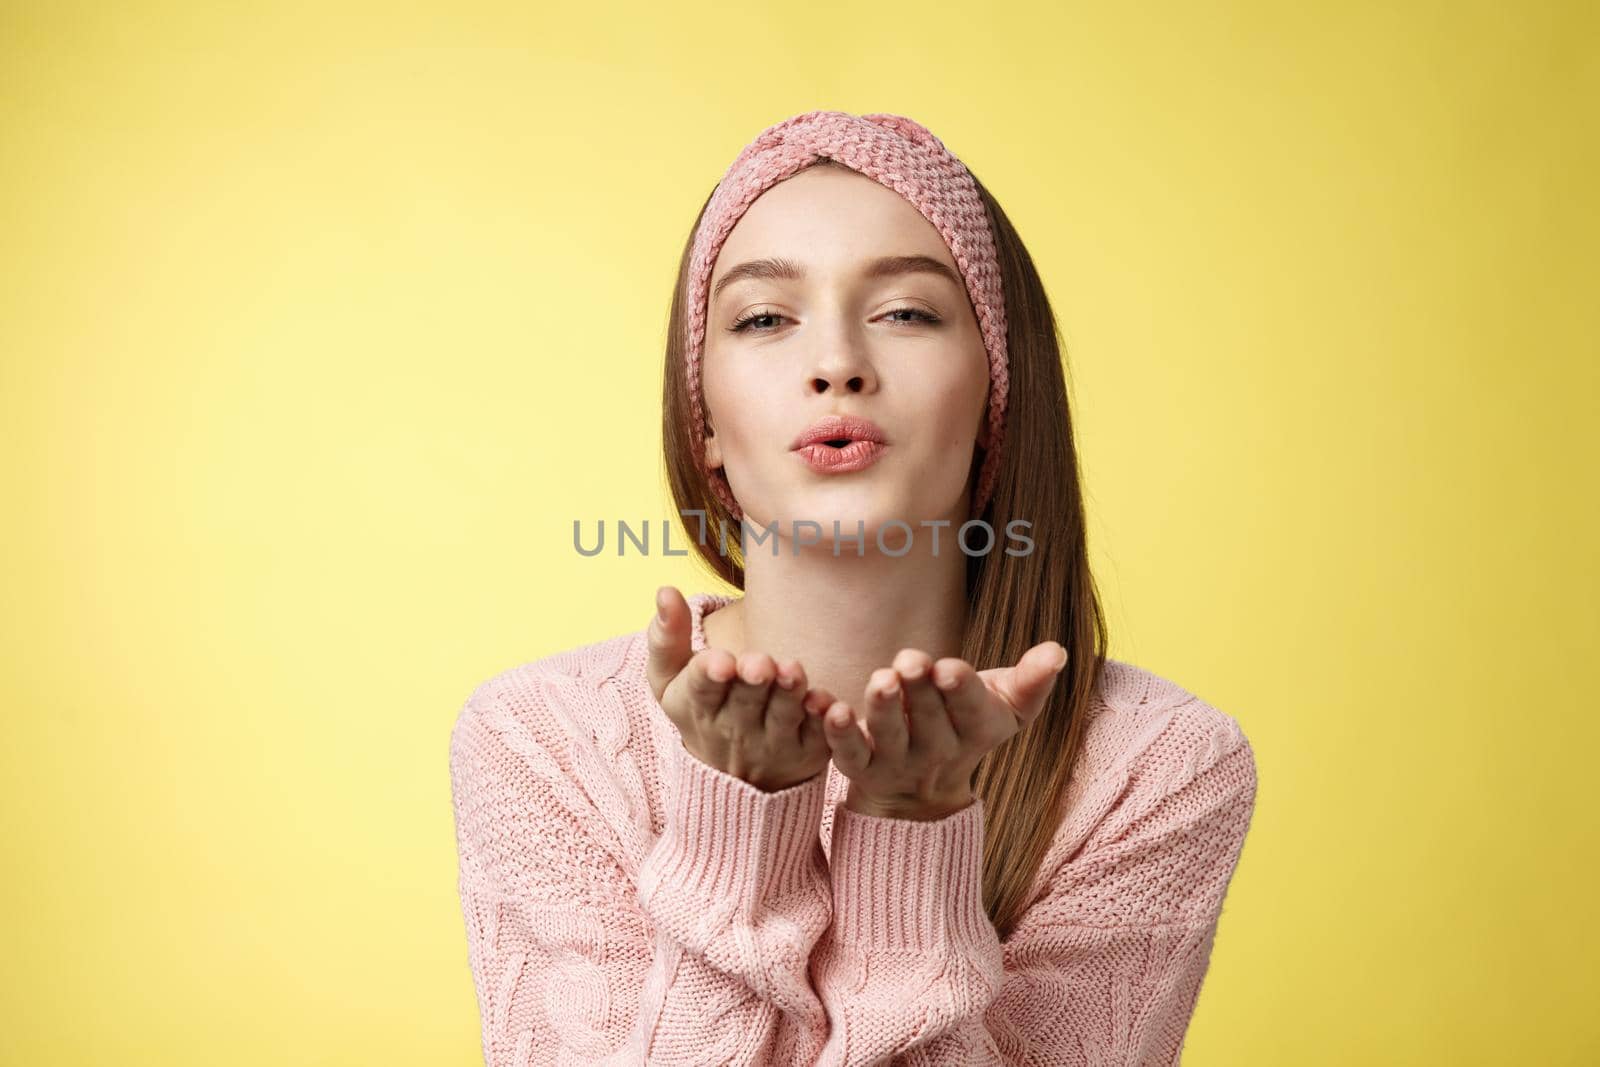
(701, 605)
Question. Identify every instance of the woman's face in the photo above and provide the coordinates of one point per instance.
(901, 348)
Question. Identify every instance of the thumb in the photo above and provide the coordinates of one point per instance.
(1027, 685)
(668, 637)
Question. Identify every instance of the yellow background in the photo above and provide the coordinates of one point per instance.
(321, 324)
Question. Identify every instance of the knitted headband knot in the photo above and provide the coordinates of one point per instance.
(900, 154)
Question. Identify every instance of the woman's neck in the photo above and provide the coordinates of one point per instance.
(845, 616)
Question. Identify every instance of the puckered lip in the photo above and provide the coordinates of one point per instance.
(839, 428)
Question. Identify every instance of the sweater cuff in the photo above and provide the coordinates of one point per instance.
(729, 841)
(909, 885)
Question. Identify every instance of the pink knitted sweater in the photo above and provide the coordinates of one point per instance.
(626, 903)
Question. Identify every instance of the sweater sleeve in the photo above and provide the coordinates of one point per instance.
(1103, 968)
(696, 959)
(737, 887)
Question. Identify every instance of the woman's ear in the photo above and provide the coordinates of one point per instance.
(713, 448)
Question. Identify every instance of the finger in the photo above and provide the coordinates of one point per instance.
(966, 700)
(708, 676)
(785, 715)
(817, 702)
(884, 715)
(746, 705)
(930, 731)
(667, 639)
(850, 751)
(813, 735)
(1027, 685)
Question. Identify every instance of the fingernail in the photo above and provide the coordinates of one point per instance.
(1063, 661)
(661, 605)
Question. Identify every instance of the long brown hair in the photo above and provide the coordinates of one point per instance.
(1014, 602)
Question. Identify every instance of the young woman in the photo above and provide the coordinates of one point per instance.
(892, 805)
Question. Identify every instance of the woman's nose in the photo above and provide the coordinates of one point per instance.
(843, 368)
(855, 383)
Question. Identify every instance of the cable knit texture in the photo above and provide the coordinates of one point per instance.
(626, 903)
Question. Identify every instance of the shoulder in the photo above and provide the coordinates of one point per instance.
(1158, 807)
(1160, 732)
(1164, 730)
(568, 735)
(586, 689)
(1156, 755)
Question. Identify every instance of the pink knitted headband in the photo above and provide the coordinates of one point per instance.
(897, 153)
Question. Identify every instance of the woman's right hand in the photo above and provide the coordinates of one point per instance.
(749, 717)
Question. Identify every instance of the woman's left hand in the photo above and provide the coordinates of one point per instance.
(925, 726)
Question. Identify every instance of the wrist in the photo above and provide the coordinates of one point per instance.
(917, 811)
(761, 782)
(780, 784)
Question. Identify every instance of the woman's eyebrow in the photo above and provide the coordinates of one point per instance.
(882, 267)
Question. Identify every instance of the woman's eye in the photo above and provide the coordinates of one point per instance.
(745, 323)
(748, 322)
(918, 312)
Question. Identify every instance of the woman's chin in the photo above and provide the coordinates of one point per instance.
(847, 505)
(861, 503)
